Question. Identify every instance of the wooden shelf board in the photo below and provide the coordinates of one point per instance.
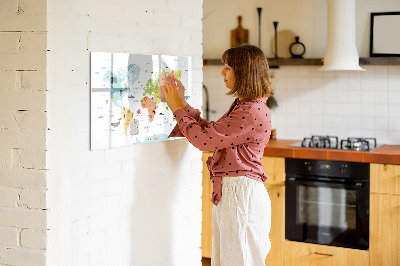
(273, 62)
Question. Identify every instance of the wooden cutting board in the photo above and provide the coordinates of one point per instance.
(239, 35)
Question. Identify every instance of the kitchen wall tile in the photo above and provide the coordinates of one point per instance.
(304, 131)
(342, 96)
(342, 122)
(394, 97)
(291, 71)
(367, 96)
(355, 122)
(382, 110)
(317, 107)
(355, 109)
(316, 82)
(278, 72)
(367, 82)
(355, 132)
(292, 82)
(381, 97)
(394, 137)
(317, 95)
(355, 96)
(305, 95)
(342, 80)
(293, 120)
(381, 136)
(394, 123)
(394, 82)
(329, 93)
(342, 133)
(380, 71)
(278, 83)
(317, 131)
(304, 72)
(304, 108)
(367, 133)
(368, 122)
(324, 101)
(303, 82)
(331, 131)
(317, 121)
(394, 71)
(329, 109)
(328, 74)
(342, 109)
(367, 110)
(315, 72)
(354, 80)
(329, 121)
(381, 123)
(380, 84)
(394, 110)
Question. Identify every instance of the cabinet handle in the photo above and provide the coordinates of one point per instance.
(324, 254)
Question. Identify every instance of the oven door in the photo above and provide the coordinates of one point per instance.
(327, 213)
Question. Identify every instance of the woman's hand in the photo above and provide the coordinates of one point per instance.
(181, 90)
(173, 93)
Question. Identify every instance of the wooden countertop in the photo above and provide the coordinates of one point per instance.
(389, 154)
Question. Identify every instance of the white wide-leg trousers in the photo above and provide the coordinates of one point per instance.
(241, 223)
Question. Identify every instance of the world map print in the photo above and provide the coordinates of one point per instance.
(127, 105)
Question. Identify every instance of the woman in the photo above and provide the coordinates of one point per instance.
(242, 211)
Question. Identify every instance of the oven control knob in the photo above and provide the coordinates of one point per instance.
(343, 168)
(308, 166)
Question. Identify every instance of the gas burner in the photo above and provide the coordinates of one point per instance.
(327, 142)
(358, 144)
(332, 142)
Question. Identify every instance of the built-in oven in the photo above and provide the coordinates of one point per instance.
(327, 202)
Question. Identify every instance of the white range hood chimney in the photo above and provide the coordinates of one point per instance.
(341, 51)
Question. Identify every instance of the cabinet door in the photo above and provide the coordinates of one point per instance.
(206, 226)
(384, 230)
(277, 233)
(385, 178)
(274, 168)
(304, 254)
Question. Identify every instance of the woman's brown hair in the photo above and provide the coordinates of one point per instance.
(250, 66)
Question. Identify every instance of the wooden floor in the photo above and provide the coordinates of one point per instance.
(206, 261)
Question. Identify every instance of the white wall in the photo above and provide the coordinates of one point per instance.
(311, 102)
(306, 19)
(138, 205)
(23, 133)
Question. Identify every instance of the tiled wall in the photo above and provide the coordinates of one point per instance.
(313, 102)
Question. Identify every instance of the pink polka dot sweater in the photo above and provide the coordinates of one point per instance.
(238, 139)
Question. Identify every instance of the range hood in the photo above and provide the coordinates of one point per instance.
(341, 51)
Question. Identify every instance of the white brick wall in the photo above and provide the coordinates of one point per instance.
(138, 205)
(23, 126)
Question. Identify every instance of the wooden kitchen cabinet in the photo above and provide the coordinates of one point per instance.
(305, 254)
(277, 233)
(384, 215)
(384, 236)
(385, 178)
(206, 225)
(274, 168)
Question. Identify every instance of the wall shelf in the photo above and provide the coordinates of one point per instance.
(274, 63)
(380, 61)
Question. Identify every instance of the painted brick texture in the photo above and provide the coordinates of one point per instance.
(138, 205)
(23, 125)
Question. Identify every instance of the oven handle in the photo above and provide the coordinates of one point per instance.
(357, 185)
(324, 254)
